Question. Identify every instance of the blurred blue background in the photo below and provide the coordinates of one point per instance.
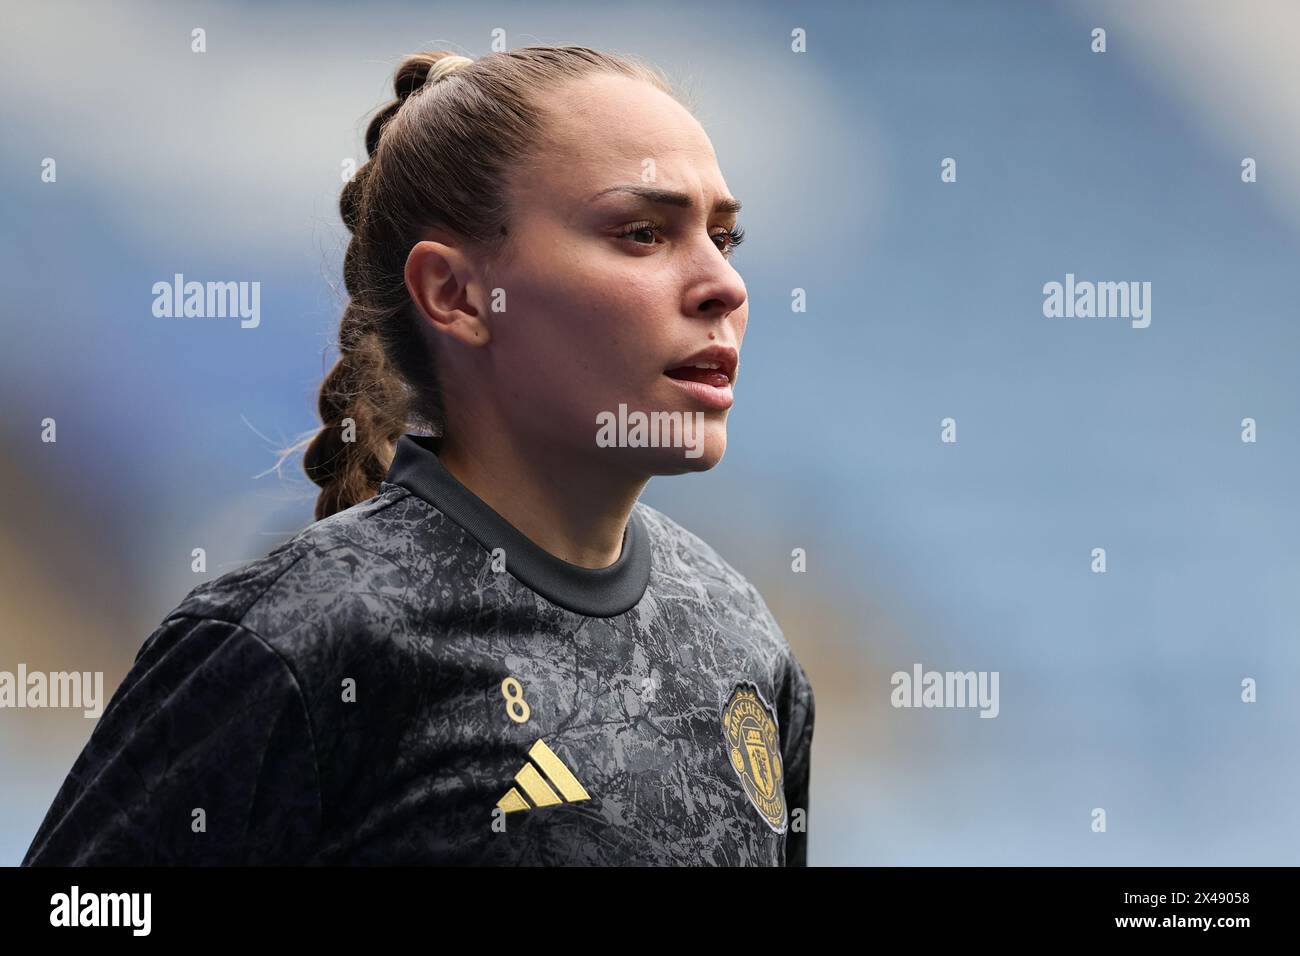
(1118, 690)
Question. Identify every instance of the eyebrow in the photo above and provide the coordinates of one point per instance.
(668, 197)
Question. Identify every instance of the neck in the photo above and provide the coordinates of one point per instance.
(559, 501)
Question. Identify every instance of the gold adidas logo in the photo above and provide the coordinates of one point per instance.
(535, 785)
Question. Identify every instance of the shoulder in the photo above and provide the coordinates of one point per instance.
(678, 546)
(342, 574)
(684, 560)
(687, 567)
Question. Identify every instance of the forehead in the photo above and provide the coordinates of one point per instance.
(601, 130)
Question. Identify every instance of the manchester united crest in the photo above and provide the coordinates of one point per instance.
(754, 746)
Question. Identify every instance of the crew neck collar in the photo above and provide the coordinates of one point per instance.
(593, 592)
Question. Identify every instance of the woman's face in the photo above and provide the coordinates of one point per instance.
(616, 275)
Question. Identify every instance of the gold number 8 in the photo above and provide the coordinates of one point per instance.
(517, 708)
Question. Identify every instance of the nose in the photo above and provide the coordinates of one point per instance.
(719, 292)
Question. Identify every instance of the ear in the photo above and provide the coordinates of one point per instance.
(446, 286)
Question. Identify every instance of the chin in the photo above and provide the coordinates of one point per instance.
(701, 456)
(663, 442)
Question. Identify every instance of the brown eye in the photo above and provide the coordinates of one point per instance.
(641, 227)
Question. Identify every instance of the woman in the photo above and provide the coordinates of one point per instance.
(487, 649)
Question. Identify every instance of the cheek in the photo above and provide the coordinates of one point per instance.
(594, 319)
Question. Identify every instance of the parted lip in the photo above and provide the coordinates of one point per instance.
(726, 358)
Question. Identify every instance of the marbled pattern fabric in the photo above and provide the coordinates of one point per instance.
(239, 705)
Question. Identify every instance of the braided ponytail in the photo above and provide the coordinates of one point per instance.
(439, 155)
(362, 403)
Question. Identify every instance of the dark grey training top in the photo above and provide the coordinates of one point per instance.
(387, 687)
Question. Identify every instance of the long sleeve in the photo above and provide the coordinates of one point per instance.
(204, 756)
(797, 758)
